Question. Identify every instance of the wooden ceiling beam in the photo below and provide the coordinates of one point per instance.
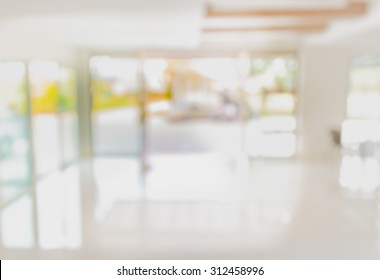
(299, 28)
(353, 8)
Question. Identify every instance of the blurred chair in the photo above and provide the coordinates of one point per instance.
(336, 137)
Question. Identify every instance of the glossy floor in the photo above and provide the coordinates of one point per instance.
(199, 206)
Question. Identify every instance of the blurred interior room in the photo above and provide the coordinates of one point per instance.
(175, 129)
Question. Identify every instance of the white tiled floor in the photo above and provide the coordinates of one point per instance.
(197, 206)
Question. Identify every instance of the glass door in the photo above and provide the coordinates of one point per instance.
(117, 129)
(115, 106)
(44, 89)
(67, 103)
(270, 91)
(194, 128)
(360, 132)
(15, 168)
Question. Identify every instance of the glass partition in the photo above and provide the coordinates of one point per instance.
(270, 92)
(194, 128)
(115, 106)
(191, 92)
(44, 89)
(15, 168)
(51, 121)
(192, 104)
(67, 103)
(192, 112)
(363, 101)
(360, 132)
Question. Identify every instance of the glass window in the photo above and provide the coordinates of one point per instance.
(115, 105)
(15, 169)
(68, 110)
(363, 103)
(360, 132)
(195, 103)
(44, 89)
(270, 92)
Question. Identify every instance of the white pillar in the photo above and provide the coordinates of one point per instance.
(84, 104)
(322, 98)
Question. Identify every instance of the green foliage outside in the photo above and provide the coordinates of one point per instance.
(104, 98)
(67, 100)
(274, 81)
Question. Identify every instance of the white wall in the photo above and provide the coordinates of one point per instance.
(324, 86)
(322, 98)
(26, 47)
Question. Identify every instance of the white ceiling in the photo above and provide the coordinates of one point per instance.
(135, 24)
(111, 24)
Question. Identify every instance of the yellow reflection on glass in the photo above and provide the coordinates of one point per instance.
(115, 82)
(43, 77)
(44, 88)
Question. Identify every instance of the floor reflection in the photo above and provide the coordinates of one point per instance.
(59, 210)
(359, 175)
(195, 177)
(195, 206)
(17, 224)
